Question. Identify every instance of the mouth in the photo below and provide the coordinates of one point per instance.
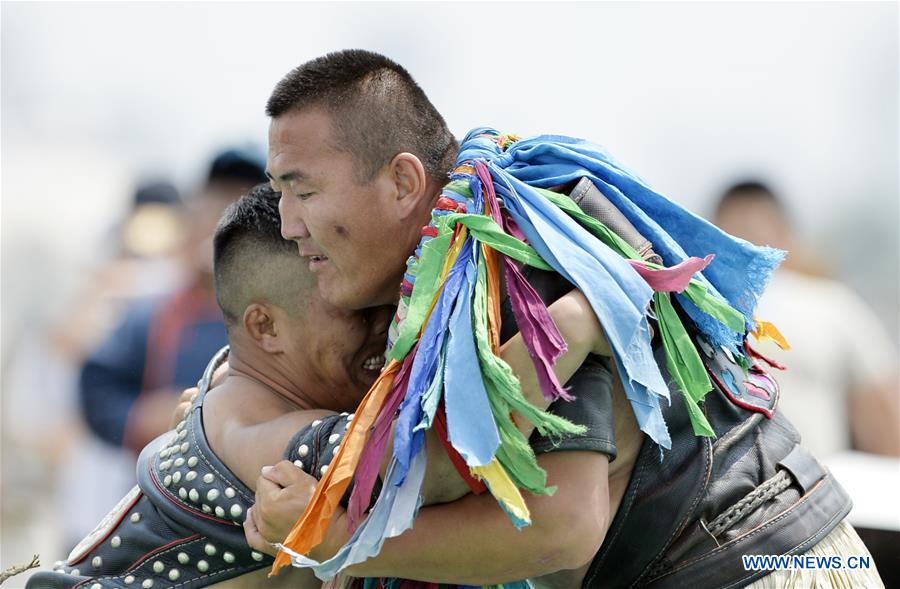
(316, 261)
(374, 364)
(378, 320)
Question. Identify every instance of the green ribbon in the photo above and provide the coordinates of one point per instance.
(428, 273)
(488, 232)
(505, 395)
(683, 362)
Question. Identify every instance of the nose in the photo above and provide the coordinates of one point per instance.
(292, 225)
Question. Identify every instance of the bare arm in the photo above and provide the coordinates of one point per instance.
(249, 449)
(471, 541)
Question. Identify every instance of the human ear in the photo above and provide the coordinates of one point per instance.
(410, 181)
(259, 322)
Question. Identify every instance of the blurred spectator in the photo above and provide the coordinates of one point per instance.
(53, 448)
(130, 385)
(840, 387)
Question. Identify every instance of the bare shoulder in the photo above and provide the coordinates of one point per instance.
(249, 427)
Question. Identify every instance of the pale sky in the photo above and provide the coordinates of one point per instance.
(688, 95)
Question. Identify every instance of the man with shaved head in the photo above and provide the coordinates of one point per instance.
(360, 157)
(293, 360)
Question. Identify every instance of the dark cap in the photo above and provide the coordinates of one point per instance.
(158, 191)
(244, 164)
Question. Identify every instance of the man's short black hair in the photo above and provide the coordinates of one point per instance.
(376, 107)
(252, 262)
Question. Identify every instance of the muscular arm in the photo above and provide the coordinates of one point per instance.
(471, 541)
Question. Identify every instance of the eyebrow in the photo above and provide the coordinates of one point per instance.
(293, 175)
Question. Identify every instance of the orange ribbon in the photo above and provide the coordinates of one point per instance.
(310, 530)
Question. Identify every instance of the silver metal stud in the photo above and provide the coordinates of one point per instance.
(158, 567)
(96, 562)
(168, 480)
(228, 557)
(182, 434)
(129, 579)
(303, 450)
(236, 510)
(165, 464)
(351, 416)
(183, 558)
(182, 492)
(176, 478)
(212, 494)
(96, 586)
(115, 541)
(316, 423)
(174, 574)
(324, 469)
(192, 461)
(179, 462)
(219, 511)
(335, 450)
(206, 508)
(194, 495)
(191, 475)
(209, 549)
(334, 438)
(202, 566)
(135, 517)
(229, 492)
(180, 426)
(298, 464)
(257, 556)
(184, 447)
(208, 478)
(75, 572)
(147, 583)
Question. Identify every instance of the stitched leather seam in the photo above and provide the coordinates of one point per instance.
(163, 550)
(181, 542)
(758, 530)
(707, 461)
(796, 549)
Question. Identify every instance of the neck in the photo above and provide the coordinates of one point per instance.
(270, 371)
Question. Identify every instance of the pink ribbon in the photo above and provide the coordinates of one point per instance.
(675, 278)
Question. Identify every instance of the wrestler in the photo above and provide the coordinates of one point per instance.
(293, 360)
(180, 525)
(359, 155)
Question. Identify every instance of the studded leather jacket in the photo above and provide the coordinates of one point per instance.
(180, 526)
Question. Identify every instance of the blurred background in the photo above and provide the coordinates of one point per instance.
(127, 127)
